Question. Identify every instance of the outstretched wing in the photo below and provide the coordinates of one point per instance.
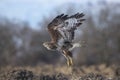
(63, 26)
(69, 25)
(54, 33)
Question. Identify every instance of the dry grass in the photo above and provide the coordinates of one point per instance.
(49, 72)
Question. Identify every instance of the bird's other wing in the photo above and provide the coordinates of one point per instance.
(53, 25)
(69, 25)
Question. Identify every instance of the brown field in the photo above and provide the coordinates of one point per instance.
(23, 56)
(49, 72)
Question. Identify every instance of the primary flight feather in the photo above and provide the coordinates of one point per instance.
(62, 32)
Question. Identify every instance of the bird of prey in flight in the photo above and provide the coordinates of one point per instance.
(62, 32)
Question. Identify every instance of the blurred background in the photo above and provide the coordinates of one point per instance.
(23, 26)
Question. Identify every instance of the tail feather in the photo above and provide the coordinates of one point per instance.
(76, 45)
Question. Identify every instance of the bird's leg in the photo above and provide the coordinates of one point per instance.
(67, 59)
(70, 64)
(70, 61)
(68, 56)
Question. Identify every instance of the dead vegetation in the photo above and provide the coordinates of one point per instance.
(20, 45)
(95, 72)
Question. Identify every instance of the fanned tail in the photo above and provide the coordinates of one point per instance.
(76, 45)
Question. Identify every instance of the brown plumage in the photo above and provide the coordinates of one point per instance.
(62, 30)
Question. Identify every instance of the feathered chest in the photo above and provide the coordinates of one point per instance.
(63, 44)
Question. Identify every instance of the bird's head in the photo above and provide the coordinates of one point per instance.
(49, 46)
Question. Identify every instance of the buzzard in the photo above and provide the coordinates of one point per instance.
(62, 32)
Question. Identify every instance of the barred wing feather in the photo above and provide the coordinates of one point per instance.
(68, 27)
